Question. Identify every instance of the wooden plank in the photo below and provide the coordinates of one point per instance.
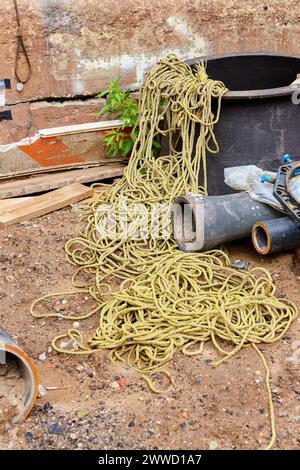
(37, 184)
(96, 194)
(56, 168)
(7, 204)
(23, 202)
(41, 205)
(79, 128)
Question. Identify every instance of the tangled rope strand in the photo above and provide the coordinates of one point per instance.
(168, 301)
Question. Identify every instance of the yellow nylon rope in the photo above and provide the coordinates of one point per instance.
(168, 301)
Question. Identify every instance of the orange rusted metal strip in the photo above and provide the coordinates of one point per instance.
(50, 151)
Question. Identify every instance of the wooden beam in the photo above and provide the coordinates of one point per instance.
(41, 205)
(7, 204)
(56, 168)
(38, 184)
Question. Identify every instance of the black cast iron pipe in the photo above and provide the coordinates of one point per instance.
(203, 222)
(273, 236)
(259, 117)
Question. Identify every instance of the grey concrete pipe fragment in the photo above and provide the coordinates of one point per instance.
(27, 368)
(202, 223)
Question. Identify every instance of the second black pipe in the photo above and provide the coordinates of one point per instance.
(273, 236)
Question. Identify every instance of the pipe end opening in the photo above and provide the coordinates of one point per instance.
(261, 239)
(183, 221)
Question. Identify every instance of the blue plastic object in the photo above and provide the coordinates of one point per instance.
(286, 158)
(265, 178)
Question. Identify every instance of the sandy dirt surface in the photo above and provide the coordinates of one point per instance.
(92, 404)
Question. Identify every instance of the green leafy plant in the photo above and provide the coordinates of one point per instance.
(120, 105)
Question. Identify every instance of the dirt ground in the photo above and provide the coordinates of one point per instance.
(99, 405)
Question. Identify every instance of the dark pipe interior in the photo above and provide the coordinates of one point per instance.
(254, 72)
(261, 239)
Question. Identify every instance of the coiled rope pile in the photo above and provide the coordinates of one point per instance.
(168, 301)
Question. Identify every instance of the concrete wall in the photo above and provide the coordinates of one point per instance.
(76, 45)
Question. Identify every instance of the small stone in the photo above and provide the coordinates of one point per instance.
(287, 336)
(14, 402)
(28, 436)
(47, 406)
(239, 264)
(291, 359)
(76, 207)
(297, 419)
(276, 390)
(64, 301)
(55, 428)
(64, 344)
(80, 368)
(213, 445)
(42, 357)
(131, 424)
(8, 427)
(42, 392)
(73, 436)
(76, 324)
(79, 445)
(82, 414)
